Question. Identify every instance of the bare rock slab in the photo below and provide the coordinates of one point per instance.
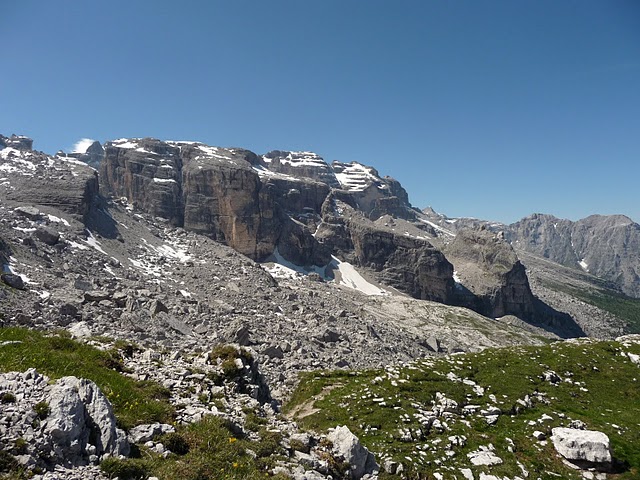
(582, 446)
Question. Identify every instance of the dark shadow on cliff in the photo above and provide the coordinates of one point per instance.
(541, 315)
(554, 321)
(100, 221)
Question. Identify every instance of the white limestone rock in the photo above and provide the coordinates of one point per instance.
(581, 445)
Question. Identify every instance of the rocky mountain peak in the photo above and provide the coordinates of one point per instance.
(17, 142)
(301, 165)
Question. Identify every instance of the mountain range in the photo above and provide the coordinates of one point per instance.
(179, 246)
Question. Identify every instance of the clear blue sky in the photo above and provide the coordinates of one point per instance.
(490, 109)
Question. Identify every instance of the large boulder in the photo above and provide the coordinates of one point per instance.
(348, 446)
(80, 415)
(583, 447)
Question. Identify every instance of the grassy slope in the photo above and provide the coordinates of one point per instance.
(603, 392)
(57, 356)
(215, 451)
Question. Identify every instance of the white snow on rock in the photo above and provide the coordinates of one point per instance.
(438, 228)
(16, 161)
(299, 159)
(125, 143)
(53, 218)
(349, 277)
(356, 177)
(345, 273)
(283, 268)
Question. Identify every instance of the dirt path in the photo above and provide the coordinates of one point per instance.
(307, 408)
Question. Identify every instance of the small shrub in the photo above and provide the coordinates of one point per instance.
(7, 397)
(254, 422)
(126, 469)
(229, 368)
(20, 446)
(299, 446)
(176, 443)
(42, 410)
(113, 361)
(8, 463)
(63, 343)
(127, 348)
(269, 443)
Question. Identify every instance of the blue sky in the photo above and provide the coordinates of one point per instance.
(491, 109)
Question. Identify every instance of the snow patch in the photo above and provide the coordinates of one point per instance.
(53, 218)
(92, 242)
(356, 177)
(352, 279)
(438, 228)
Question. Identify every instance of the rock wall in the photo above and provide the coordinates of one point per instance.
(215, 191)
(409, 264)
(487, 267)
(147, 174)
(605, 246)
(38, 179)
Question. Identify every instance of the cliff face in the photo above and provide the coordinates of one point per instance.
(38, 179)
(225, 200)
(411, 265)
(309, 210)
(607, 246)
(487, 266)
(147, 173)
(224, 193)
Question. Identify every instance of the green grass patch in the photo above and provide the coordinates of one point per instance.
(57, 356)
(212, 449)
(598, 384)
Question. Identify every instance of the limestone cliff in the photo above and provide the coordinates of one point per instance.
(38, 179)
(607, 246)
(408, 264)
(487, 267)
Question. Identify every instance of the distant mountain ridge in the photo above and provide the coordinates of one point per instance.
(607, 246)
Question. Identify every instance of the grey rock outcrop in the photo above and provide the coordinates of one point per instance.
(301, 164)
(583, 447)
(19, 142)
(40, 180)
(348, 446)
(13, 280)
(73, 426)
(488, 267)
(214, 191)
(80, 415)
(93, 156)
(409, 264)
